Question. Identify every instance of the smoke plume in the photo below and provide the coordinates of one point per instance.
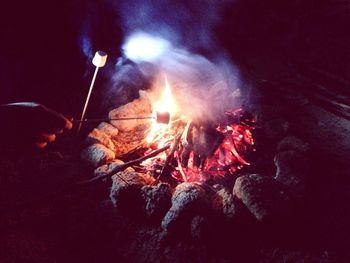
(176, 39)
(172, 35)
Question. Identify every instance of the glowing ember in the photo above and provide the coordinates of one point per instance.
(198, 152)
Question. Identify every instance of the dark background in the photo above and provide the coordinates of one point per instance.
(42, 59)
(41, 56)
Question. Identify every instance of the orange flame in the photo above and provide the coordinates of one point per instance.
(165, 103)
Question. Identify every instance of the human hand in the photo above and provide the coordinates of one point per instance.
(30, 125)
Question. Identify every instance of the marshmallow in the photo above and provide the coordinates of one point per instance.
(99, 59)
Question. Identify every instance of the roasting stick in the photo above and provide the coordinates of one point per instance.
(99, 61)
(123, 166)
(160, 117)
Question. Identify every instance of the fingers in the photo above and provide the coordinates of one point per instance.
(30, 124)
(51, 120)
(40, 145)
(69, 124)
(43, 139)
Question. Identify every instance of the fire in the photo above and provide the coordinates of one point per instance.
(197, 151)
(165, 103)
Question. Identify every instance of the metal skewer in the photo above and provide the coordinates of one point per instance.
(99, 61)
(114, 119)
(160, 117)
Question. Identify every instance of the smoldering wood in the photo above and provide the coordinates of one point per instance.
(202, 140)
(166, 167)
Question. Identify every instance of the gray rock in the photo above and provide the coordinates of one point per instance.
(157, 200)
(199, 228)
(97, 155)
(107, 168)
(98, 136)
(291, 170)
(275, 128)
(108, 129)
(126, 192)
(223, 202)
(137, 108)
(187, 200)
(292, 143)
(264, 197)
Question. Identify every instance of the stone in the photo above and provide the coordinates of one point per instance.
(98, 136)
(157, 200)
(293, 143)
(199, 228)
(126, 193)
(107, 168)
(137, 108)
(128, 141)
(187, 200)
(108, 129)
(97, 155)
(223, 203)
(275, 129)
(291, 170)
(264, 197)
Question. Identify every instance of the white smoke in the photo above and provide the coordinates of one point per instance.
(204, 89)
(169, 35)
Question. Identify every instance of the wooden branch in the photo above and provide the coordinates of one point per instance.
(125, 165)
(170, 156)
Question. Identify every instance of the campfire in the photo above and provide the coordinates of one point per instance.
(197, 151)
(193, 150)
(184, 150)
